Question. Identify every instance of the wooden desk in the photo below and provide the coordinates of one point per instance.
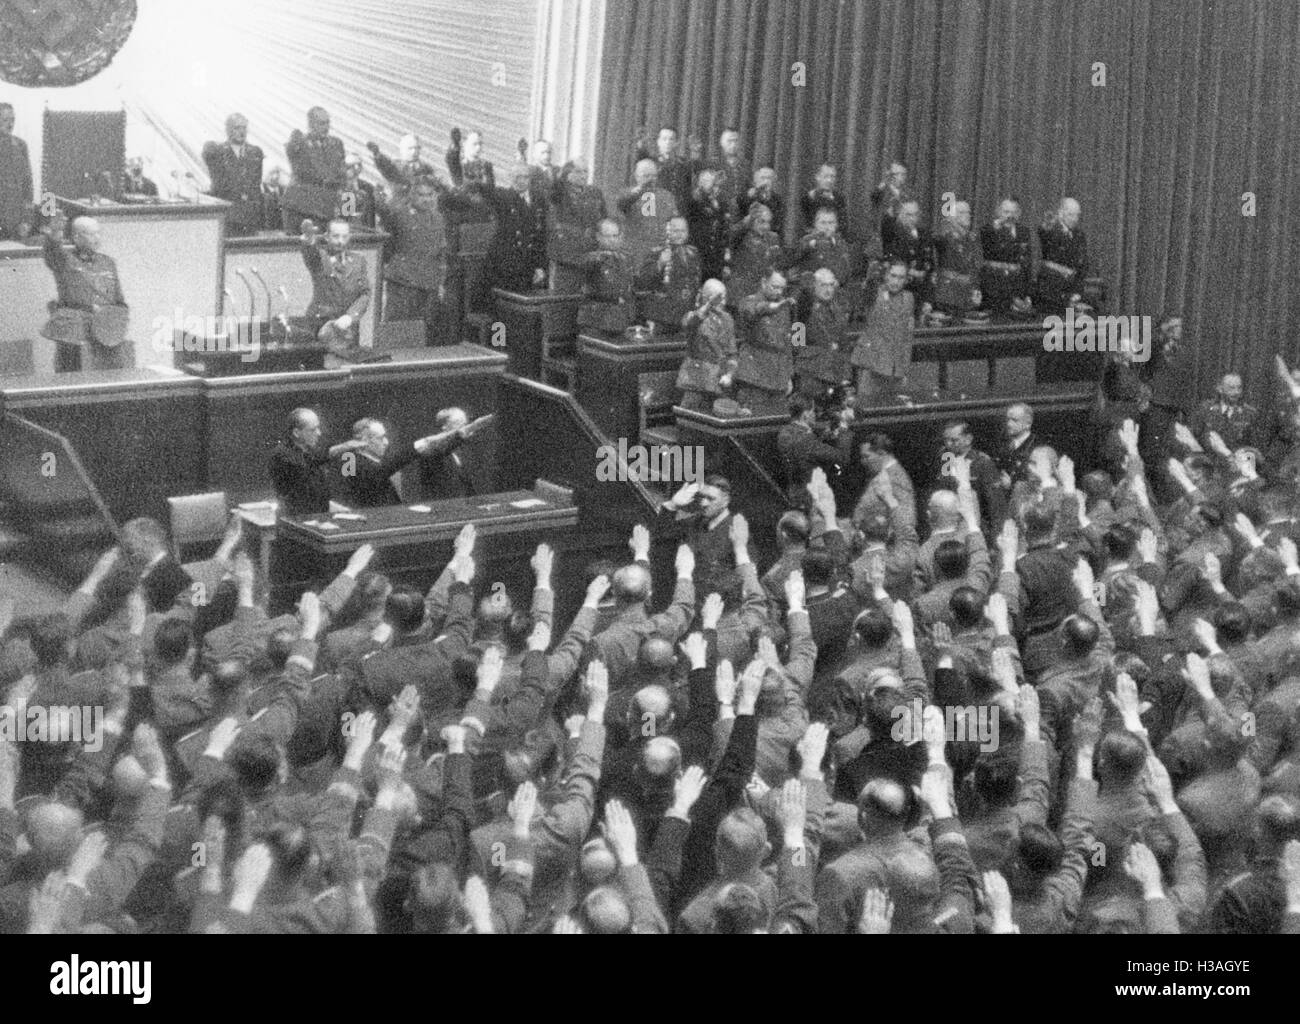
(539, 327)
(414, 546)
(619, 380)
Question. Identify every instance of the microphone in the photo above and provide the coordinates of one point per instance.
(254, 272)
(252, 298)
(283, 318)
(227, 293)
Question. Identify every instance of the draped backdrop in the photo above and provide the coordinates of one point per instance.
(987, 98)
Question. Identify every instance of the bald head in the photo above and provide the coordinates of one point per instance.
(661, 757)
(53, 831)
(85, 234)
(1069, 212)
(631, 584)
(713, 290)
(741, 844)
(236, 129)
(645, 173)
(944, 509)
(605, 912)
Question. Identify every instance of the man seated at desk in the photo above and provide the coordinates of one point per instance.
(443, 473)
(300, 468)
(367, 471)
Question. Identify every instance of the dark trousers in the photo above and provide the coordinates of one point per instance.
(406, 302)
(73, 358)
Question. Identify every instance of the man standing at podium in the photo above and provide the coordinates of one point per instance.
(340, 283)
(15, 179)
(88, 320)
(235, 168)
(317, 160)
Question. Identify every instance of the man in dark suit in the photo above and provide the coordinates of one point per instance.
(802, 450)
(1011, 455)
(340, 285)
(318, 173)
(443, 473)
(710, 225)
(1064, 250)
(134, 182)
(889, 196)
(300, 468)
(905, 239)
(15, 179)
(235, 168)
(985, 480)
(1004, 276)
(674, 171)
(367, 470)
(517, 258)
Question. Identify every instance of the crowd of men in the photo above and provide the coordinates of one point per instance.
(692, 243)
(1021, 702)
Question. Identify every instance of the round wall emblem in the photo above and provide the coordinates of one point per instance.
(61, 42)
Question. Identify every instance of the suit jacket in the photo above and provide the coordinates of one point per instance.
(986, 482)
(368, 483)
(469, 172)
(301, 479)
(710, 231)
(1068, 248)
(15, 185)
(519, 244)
(237, 180)
(914, 249)
(1014, 462)
(644, 220)
(443, 474)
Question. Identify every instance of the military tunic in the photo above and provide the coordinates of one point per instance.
(669, 292)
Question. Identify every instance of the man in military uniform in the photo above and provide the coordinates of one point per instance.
(1064, 250)
(1235, 421)
(710, 361)
(674, 170)
(15, 179)
(821, 363)
(710, 224)
(465, 161)
(1004, 241)
(763, 190)
(888, 197)
(403, 172)
(883, 353)
(823, 195)
(235, 168)
(755, 249)
(822, 248)
(517, 258)
(88, 320)
(609, 304)
(733, 170)
(577, 208)
(316, 160)
(669, 279)
(543, 172)
(340, 286)
(765, 361)
(958, 260)
(646, 210)
(905, 239)
(415, 265)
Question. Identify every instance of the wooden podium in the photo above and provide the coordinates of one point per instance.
(169, 259)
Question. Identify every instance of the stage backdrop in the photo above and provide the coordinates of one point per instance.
(991, 97)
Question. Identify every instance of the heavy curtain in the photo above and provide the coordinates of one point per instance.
(987, 98)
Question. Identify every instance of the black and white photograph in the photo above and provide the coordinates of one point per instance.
(613, 467)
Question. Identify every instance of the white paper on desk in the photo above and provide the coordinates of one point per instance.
(420, 508)
(257, 506)
(489, 508)
(527, 503)
(330, 526)
(314, 523)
